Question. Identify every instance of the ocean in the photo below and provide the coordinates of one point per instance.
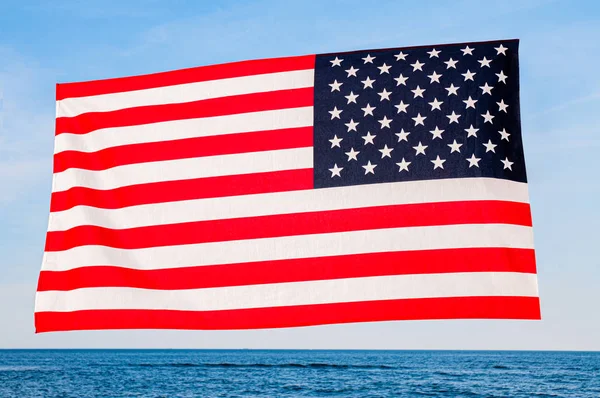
(297, 373)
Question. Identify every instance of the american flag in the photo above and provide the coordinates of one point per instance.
(364, 186)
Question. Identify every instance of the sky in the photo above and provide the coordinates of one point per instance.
(43, 43)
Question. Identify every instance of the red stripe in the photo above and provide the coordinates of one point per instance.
(296, 270)
(395, 216)
(183, 76)
(255, 102)
(293, 316)
(186, 148)
(172, 191)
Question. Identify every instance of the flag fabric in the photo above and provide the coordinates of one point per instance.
(373, 185)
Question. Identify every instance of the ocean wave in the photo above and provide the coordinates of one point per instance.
(19, 368)
(315, 365)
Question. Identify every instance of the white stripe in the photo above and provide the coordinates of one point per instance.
(189, 92)
(449, 190)
(188, 128)
(183, 169)
(393, 287)
(300, 246)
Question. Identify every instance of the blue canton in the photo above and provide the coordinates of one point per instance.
(407, 114)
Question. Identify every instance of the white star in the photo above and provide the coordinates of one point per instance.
(385, 95)
(507, 164)
(501, 77)
(453, 118)
(504, 135)
(433, 53)
(401, 80)
(501, 50)
(437, 133)
(486, 89)
(385, 122)
(467, 50)
(485, 62)
(420, 148)
(473, 161)
(369, 138)
(434, 77)
(502, 106)
(335, 171)
(368, 82)
(403, 165)
(335, 141)
(418, 92)
(352, 125)
(470, 102)
(452, 90)
(454, 147)
(369, 168)
(336, 62)
(335, 113)
(386, 152)
(368, 59)
(438, 163)
(402, 107)
(469, 75)
(368, 110)
(403, 135)
(419, 119)
(488, 117)
(351, 97)
(352, 71)
(489, 147)
(400, 56)
(471, 132)
(451, 63)
(436, 104)
(352, 154)
(417, 66)
(384, 69)
(335, 86)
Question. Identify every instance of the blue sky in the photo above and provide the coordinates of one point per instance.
(42, 43)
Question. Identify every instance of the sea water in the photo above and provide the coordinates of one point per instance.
(297, 373)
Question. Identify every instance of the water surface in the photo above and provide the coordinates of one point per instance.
(303, 373)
